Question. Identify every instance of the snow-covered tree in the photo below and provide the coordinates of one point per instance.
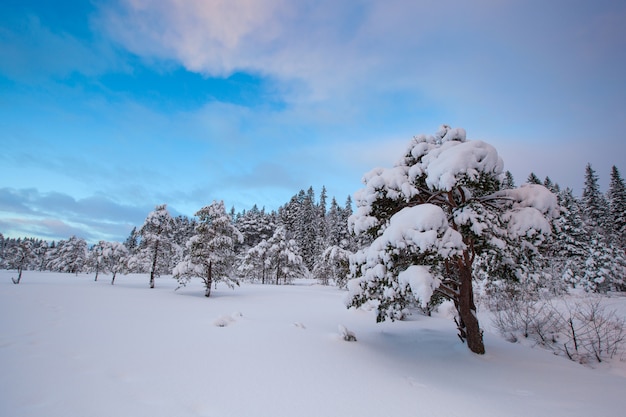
(616, 197)
(593, 202)
(41, 251)
(572, 239)
(255, 263)
(321, 226)
(69, 255)
(508, 181)
(108, 257)
(132, 241)
(94, 258)
(431, 215)
(255, 225)
(306, 230)
(19, 256)
(156, 245)
(211, 254)
(283, 257)
(533, 179)
(333, 264)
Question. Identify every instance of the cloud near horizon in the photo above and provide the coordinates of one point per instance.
(91, 218)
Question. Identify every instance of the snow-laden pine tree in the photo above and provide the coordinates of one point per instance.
(283, 257)
(255, 225)
(254, 264)
(155, 245)
(94, 258)
(306, 229)
(19, 256)
(593, 202)
(333, 265)
(508, 181)
(431, 215)
(616, 197)
(211, 254)
(69, 255)
(533, 179)
(571, 239)
(114, 259)
(321, 227)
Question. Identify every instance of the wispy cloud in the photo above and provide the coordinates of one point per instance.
(477, 57)
(45, 214)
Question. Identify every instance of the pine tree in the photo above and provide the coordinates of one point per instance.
(94, 258)
(69, 255)
(114, 259)
(321, 226)
(19, 256)
(255, 225)
(306, 232)
(431, 216)
(592, 200)
(156, 245)
(333, 264)
(616, 197)
(255, 263)
(132, 241)
(572, 240)
(211, 249)
(283, 256)
(508, 182)
(533, 179)
(41, 251)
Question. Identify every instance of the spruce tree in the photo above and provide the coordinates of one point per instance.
(616, 196)
(533, 179)
(283, 257)
(592, 200)
(508, 182)
(572, 240)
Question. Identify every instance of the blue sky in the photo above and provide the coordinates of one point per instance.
(108, 108)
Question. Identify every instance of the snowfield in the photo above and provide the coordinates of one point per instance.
(72, 347)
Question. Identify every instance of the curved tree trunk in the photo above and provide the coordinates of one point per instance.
(19, 276)
(469, 328)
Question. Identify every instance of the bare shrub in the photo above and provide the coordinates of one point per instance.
(589, 331)
(583, 330)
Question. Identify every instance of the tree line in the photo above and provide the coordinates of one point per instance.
(304, 237)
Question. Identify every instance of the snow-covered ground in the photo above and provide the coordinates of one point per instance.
(72, 347)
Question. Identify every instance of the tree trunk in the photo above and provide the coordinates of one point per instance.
(113, 279)
(19, 275)
(207, 292)
(154, 263)
(469, 329)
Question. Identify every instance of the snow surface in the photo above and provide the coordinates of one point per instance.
(72, 347)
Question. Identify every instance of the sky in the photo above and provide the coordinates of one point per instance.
(110, 107)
